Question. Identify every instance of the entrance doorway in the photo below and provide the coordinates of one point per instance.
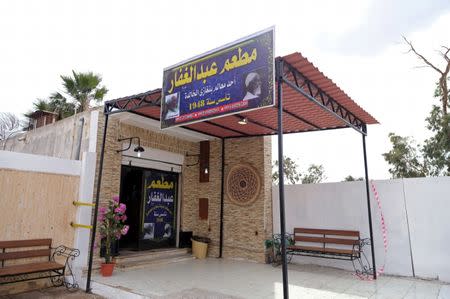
(151, 198)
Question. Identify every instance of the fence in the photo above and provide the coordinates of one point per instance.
(37, 195)
(416, 215)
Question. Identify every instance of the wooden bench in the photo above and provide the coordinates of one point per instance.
(37, 260)
(326, 243)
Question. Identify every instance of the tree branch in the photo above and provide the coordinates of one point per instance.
(422, 57)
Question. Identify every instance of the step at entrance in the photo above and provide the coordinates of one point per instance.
(135, 260)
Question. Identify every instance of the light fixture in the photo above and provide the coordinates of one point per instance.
(202, 162)
(138, 149)
(243, 121)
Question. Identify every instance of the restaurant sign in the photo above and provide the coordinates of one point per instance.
(160, 203)
(234, 78)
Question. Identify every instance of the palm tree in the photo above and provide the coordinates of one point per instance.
(60, 106)
(41, 104)
(82, 88)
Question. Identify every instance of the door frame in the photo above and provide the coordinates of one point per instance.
(147, 161)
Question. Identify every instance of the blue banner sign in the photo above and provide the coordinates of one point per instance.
(234, 78)
(160, 200)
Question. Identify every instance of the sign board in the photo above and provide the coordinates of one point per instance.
(160, 205)
(234, 78)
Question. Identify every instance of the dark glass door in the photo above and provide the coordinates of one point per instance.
(131, 194)
(159, 209)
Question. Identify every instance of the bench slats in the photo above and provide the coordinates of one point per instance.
(326, 240)
(321, 249)
(24, 254)
(25, 243)
(348, 239)
(30, 268)
(332, 232)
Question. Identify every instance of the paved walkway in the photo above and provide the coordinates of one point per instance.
(53, 293)
(221, 278)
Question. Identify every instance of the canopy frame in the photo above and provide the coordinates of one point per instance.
(285, 73)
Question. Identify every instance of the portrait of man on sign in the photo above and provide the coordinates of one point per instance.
(149, 231)
(172, 106)
(253, 85)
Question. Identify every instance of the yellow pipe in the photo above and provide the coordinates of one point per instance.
(79, 203)
(81, 225)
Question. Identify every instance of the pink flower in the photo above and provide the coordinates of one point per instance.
(121, 209)
(125, 229)
(117, 218)
(116, 198)
(124, 217)
(102, 210)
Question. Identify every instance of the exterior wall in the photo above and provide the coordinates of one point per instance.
(244, 228)
(415, 212)
(45, 119)
(112, 162)
(36, 202)
(59, 139)
(39, 206)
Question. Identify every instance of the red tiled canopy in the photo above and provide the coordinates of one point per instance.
(300, 114)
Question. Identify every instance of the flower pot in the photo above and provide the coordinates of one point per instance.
(199, 249)
(107, 269)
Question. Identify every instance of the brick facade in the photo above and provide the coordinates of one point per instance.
(245, 228)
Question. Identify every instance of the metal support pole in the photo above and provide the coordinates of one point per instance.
(281, 179)
(221, 198)
(369, 212)
(97, 199)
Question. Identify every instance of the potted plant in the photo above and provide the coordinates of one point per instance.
(268, 253)
(273, 249)
(111, 227)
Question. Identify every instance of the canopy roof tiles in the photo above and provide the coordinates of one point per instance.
(311, 102)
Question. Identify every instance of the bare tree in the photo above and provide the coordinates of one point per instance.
(443, 81)
(9, 125)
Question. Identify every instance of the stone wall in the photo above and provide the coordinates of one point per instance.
(244, 227)
(59, 139)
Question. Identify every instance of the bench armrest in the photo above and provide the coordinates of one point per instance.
(70, 254)
(67, 252)
(364, 242)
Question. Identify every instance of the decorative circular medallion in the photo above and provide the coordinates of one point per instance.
(243, 184)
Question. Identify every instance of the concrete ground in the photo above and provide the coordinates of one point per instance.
(53, 293)
(221, 278)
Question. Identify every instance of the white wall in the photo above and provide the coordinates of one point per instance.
(425, 202)
(428, 204)
(37, 163)
(84, 213)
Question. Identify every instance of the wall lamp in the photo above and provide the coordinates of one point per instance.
(203, 161)
(205, 170)
(138, 149)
